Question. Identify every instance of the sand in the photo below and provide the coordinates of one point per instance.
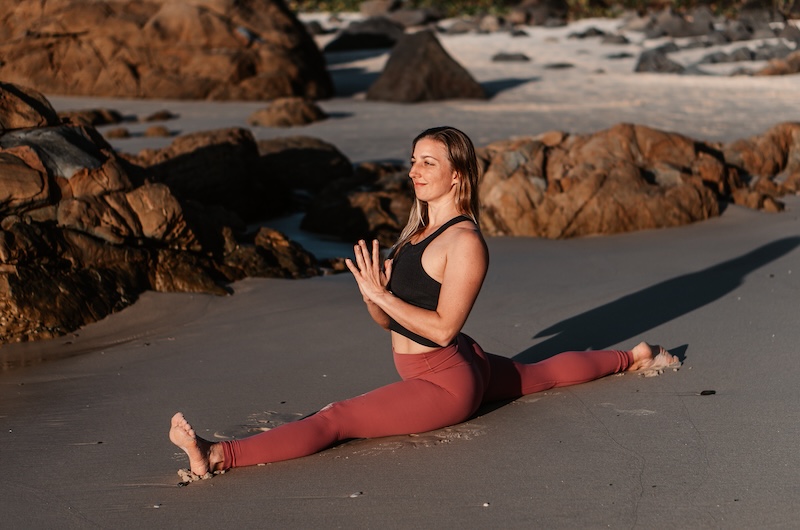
(84, 438)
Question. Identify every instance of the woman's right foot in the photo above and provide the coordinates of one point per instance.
(197, 449)
(651, 359)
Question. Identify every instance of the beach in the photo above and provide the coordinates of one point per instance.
(84, 426)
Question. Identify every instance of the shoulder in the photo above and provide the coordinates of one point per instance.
(464, 239)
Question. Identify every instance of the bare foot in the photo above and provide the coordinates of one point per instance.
(201, 452)
(651, 359)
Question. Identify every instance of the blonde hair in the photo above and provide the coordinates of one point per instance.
(461, 154)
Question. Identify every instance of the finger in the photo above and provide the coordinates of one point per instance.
(376, 257)
(387, 269)
(360, 261)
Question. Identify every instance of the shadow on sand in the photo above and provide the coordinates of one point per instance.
(636, 313)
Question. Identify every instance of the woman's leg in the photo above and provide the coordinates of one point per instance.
(447, 394)
(405, 407)
(510, 379)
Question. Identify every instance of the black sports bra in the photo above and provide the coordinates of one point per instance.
(410, 283)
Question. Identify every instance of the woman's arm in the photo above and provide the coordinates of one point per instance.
(466, 260)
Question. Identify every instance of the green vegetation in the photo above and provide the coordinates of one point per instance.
(578, 8)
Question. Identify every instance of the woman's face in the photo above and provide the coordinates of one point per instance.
(431, 171)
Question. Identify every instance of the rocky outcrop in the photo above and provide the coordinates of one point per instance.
(178, 49)
(560, 185)
(419, 69)
(83, 231)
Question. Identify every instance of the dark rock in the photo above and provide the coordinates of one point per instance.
(587, 33)
(656, 61)
(621, 55)
(615, 39)
(741, 54)
(372, 33)
(419, 69)
(715, 58)
(510, 57)
(558, 66)
(767, 52)
(210, 167)
(302, 163)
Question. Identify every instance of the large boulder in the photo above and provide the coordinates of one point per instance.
(626, 178)
(190, 49)
(419, 69)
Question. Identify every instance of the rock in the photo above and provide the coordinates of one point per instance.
(93, 117)
(510, 57)
(249, 49)
(160, 115)
(210, 167)
(775, 154)
(788, 66)
(368, 34)
(419, 69)
(615, 39)
(22, 107)
(83, 231)
(302, 163)
(62, 151)
(587, 33)
(656, 61)
(547, 13)
(625, 178)
(372, 205)
(157, 131)
(118, 132)
(287, 112)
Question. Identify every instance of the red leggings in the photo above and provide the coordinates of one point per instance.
(439, 388)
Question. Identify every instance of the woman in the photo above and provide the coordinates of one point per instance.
(423, 295)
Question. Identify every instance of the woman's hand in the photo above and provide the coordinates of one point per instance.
(370, 276)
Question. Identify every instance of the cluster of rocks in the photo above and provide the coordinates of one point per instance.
(83, 230)
(756, 21)
(176, 49)
(560, 185)
(385, 21)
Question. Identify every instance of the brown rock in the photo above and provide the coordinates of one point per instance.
(253, 49)
(157, 131)
(625, 178)
(24, 107)
(287, 112)
(118, 132)
(93, 117)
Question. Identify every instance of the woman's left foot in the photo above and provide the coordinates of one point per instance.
(197, 449)
(651, 360)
